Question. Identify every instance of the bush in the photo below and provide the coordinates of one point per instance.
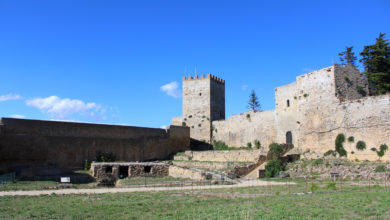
(330, 152)
(219, 145)
(380, 169)
(273, 167)
(351, 139)
(340, 139)
(331, 186)
(317, 162)
(275, 151)
(361, 145)
(105, 156)
(257, 144)
(313, 187)
(383, 147)
(87, 165)
(249, 145)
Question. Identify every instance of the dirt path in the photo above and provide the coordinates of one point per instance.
(249, 183)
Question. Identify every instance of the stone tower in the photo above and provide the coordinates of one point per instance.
(203, 102)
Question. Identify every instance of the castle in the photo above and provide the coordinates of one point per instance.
(309, 113)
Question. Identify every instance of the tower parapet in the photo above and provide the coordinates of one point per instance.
(202, 76)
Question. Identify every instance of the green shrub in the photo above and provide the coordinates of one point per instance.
(352, 152)
(330, 152)
(380, 169)
(318, 162)
(275, 151)
(105, 156)
(249, 145)
(257, 144)
(383, 147)
(351, 139)
(340, 139)
(361, 145)
(331, 186)
(183, 124)
(314, 187)
(87, 165)
(305, 95)
(273, 167)
(373, 149)
(220, 145)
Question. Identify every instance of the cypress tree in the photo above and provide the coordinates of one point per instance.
(348, 57)
(253, 103)
(376, 60)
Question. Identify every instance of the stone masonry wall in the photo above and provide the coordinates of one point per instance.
(323, 116)
(203, 102)
(286, 98)
(65, 145)
(238, 130)
(350, 83)
(223, 156)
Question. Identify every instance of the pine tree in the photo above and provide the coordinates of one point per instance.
(348, 57)
(253, 103)
(376, 60)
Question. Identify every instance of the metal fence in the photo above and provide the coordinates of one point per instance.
(7, 178)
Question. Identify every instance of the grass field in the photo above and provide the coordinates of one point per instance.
(240, 203)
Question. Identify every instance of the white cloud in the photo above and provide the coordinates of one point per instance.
(244, 87)
(171, 89)
(9, 97)
(164, 127)
(63, 108)
(17, 116)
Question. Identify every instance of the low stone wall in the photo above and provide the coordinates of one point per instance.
(133, 169)
(224, 156)
(180, 172)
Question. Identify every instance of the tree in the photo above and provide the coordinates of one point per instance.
(253, 103)
(376, 61)
(348, 57)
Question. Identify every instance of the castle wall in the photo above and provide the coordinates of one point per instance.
(366, 119)
(196, 107)
(66, 145)
(203, 101)
(286, 113)
(217, 100)
(323, 115)
(350, 83)
(238, 130)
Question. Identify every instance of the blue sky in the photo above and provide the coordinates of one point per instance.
(107, 61)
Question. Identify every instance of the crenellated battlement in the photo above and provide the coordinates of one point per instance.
(209, 76)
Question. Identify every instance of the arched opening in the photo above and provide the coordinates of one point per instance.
(288, 103)
(288, 137)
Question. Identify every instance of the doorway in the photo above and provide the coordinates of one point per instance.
(289, 137)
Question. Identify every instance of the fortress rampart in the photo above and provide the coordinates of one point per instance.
(66, 145)
(312, 111)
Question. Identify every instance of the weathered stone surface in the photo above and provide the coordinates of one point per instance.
(137, 169)
(203, 102)
(314, 110)
(66, 145)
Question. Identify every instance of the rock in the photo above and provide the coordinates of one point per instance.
(106, 180)
(284, 174)
(215, 182)
(337, 163)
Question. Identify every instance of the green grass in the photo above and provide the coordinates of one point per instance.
(221, 204)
